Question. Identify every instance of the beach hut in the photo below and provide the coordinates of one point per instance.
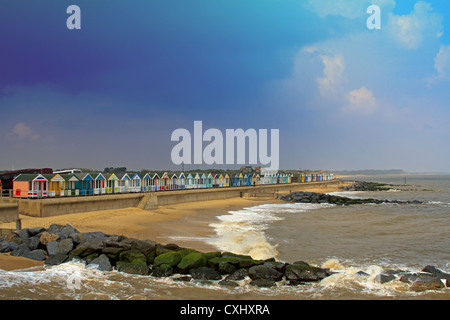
(156, 182)
(86, 184)
(123, 183)
(135, 182)
(189, 181)
(181, 182)
(197, 181)
(226, 180)
(164, 182)
(30, 186)
(56, 185)
(99, 183)
(146, 182)
(209, 181)
(112, 183)
(203, 181)
(72, 185)
(173, 182)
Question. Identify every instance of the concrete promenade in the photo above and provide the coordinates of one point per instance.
(49, 207)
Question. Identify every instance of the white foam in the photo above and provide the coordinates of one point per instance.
(242, 231)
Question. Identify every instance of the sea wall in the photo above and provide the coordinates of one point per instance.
(149, 201)
(9, 212)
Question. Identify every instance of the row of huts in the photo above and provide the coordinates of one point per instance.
(77, 184)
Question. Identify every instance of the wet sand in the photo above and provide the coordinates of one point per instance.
(186, 224)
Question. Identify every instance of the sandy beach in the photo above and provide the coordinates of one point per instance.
(186, 224)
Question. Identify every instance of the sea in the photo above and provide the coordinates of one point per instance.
(371, 238)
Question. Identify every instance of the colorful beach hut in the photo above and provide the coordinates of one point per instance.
(72, 185)
(181, 182)
(56, 185)
(164, 182)
(197, 181)
(99, 183)
(112, 183)
(146, 182)
(86, 184)
(135, 182)
(30, 186)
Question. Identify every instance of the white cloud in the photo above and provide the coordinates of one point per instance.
(411, 31)
(23, 132)
(361, 101)
(442, 63)
(334, 68)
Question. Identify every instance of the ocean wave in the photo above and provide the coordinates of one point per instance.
(242, 231)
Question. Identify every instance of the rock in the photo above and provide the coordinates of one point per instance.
(24, 234)
(102, 262)
(264, 272)
(279, 266)
(37, 254)
(263, 283)
(34, 243)
(137, 267)
(227, 283)
(21, 250)
(87, 247)
(56, 259)
(384, 278)
(7, 246)
(35, 231)
(91, 257)
(47, 237)
(302, 272)
(112, 252)
(163, 270)
(240, 274)
(192, 261)
(172, 247)
(132, 255)
(65, 246)
(144, 246)
(171, 258)
(226, 268)
(422, 282)
(205, 273)
(182, 278)
(431, 269)
(52, 247)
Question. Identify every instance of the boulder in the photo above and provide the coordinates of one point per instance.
(163, 270)
(172, 258)
(47, 237)
(240, 274)
(205, 273)
(263, 283)
(132, 255)
(7, 246)
(37, 254)
(24, 234)
(34, 243)
(137, 267)
(227, 283)
(191, 261)
(21, 250)
(35, 231)
(87, 247)
(264, 272)
(52, 247)
(65, 246)
(304, 272)
(384, 278)
(102, 262)
(144, 246)
(421, 282)
(56, 259)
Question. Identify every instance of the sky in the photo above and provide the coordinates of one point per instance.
(342, 96)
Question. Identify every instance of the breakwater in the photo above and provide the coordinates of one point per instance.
(59, 244)
(151, 200)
